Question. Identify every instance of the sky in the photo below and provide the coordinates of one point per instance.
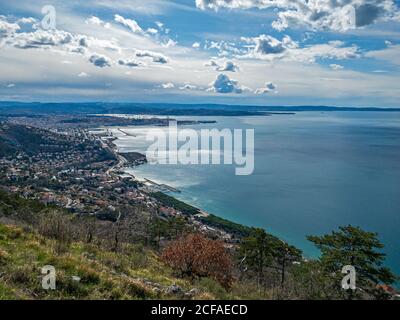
(252, 52)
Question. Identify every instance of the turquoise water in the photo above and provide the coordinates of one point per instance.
(313, 172)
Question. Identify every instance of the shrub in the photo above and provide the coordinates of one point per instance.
(194, 255)
(67, 287)
(136, 289)
(14, 233)
(88, 275)
(58, 226)
(22, 275)
(4, 255)
(213, 287)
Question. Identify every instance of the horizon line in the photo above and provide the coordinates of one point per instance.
(201, 104)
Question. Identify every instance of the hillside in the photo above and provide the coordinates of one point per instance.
(95, 260)
(109, 238)
(25, 140)
(133, 273)
(85, 270)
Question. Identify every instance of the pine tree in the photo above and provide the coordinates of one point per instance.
(285, 255)
(257, 250)
(360, 249)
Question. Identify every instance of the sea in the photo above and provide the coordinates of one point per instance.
(314, 172)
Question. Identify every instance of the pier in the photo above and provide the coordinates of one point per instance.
(162, 187)
(126, 133)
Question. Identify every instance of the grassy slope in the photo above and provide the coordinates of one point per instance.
(104, 274)
(132, 273)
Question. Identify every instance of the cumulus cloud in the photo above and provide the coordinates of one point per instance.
(42, 38)
(94, 20)
(226, 66)
(152, 31)
(265, 44)
(129, 63)
(337, 15)
(58, 39)
(27, 20)
(196, 45)
(169, 44)
(334, 66)
(156, 57)
(269, 87)
(223, 84)
(62, 41)
(7, 28)
(266, 47)
(168, 85)
(159, 25)
(10, 33)
(83, 75)
(83, 41)
(131, 24)
(97, 21)
(211, 63)
(187, 86)
(224, 48)
(99, 60)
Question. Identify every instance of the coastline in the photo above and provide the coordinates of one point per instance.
(234, 231)
(270, 219)
(127, 161)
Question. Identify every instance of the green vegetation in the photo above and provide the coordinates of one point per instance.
(226, 225)
(12, 204)
(211, 220)
(113, 260)
(263, 253)
(274, 263)
(355, 247)
(175, 203)
(141, 256)
(169, 229)
(103, 274)
(16, 139)
(5, 149)
(134, 272)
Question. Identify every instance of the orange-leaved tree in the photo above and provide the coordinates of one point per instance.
(194, 255)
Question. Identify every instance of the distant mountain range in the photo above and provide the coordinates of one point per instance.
(10, 108)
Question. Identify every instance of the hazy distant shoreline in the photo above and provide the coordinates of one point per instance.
(10, 108)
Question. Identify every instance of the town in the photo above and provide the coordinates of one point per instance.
(82, 171)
